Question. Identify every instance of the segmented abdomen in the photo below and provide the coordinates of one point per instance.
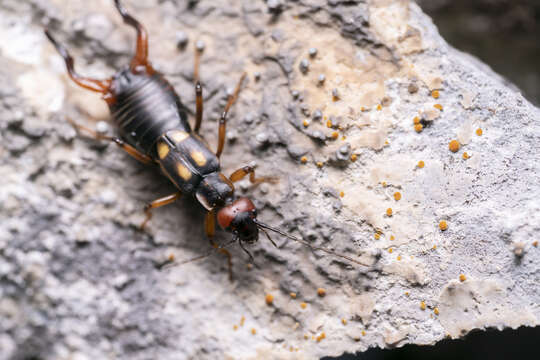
(145, 107)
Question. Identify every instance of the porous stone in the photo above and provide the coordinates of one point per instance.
(79, 280)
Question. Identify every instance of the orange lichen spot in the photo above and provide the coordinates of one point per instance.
(306, 123)
(379, 107)
(390, 250)
(462, 277)
(269, 299)
(389, 212)
(341, 194)
(434, 247)
(242, 321)
(416, 120)
(436, 310)
(421, 164)
(397, 196)
(253, 331)
(362, 108)
(465, 156)
(363, 333)
(344, 321)
(392, 238)
(479, 132)
(406, 293)
(303, 159)
(435, 94)
(170, 257)
(454, 146)
(335, 135)
(319, 164)
(329, 123)
(443, 225)
(418, 128)
(303, 305)
(399, 257)
(321, 292)
(535, 243)
(354, 157)
(293, 295)
(377, 236)
(321, 337)
(383, 184)
(249, 266)
(386, 142)
(438, 106)
(422, 305)
(235, 327)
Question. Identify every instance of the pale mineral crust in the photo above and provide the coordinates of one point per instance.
(78, 280)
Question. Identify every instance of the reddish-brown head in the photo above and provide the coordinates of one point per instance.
(239, 218)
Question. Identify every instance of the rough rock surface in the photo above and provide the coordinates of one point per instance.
(79, 281)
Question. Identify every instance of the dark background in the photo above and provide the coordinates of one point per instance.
(506, 35)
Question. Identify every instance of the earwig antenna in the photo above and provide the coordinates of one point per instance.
(268, 236)
(208, 254)
(328, 251)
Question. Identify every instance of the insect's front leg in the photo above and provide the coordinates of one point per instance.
(158, 203)
(243, 172)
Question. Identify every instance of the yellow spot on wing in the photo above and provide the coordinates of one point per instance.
(178, 136)
(163, 150)
(198, 157)
(183, 171)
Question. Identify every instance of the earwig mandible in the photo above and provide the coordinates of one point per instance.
(154, 129)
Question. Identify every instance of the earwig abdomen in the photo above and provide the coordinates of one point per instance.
(144, 107)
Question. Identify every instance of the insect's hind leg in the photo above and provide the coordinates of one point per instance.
(100, 86)
(166, 200)
(119, 142)
(141, 53)
(210, 227)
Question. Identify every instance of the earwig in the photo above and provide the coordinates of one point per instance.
(153, 127)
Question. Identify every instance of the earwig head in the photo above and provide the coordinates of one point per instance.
(239, 217)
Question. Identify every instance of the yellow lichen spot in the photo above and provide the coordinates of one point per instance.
(303, 305)
(418, 128)
(319, 164)
(438, 106)
(465, 156)
(178, 136)
(479, 132)
(436, 310)
(390, 250)
(321, 337)
(303, 159)
(421, 164)
(406, 293)
(386, 142)
(397, 196)
(454, 146)
(362, 108)
(235, 327)
(535, 243)
(343, 137)
(183, 171)
(306, 337)
(435, 94)
(462, 277)
(341, 194)
(363, 333)
(242, 321)
(335, 135)
(306, 123)
(329, 123)
(422, 305)
(293, 295)
(198, 157)
(377, 236)
(163, 150)
(269, 299)
(383, 184)
(171, 257)
(344, 321)
(321, 292)
(434, 247)
(416, 120)
(392, 237)
(443, 225)
(253, 331)
(354, 157)
(389, 212)
(399, 257)
(379, 107)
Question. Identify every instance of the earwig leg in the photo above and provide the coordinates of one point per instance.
(223, 119)
(158, 203)
(210, 227)
(198, 92)
(241, 173)
(100, 86)
(251, 259)
(141, 54)
(136, 154)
